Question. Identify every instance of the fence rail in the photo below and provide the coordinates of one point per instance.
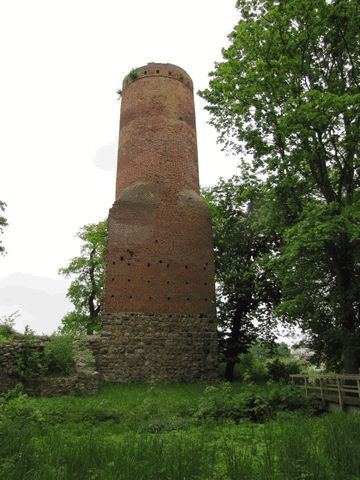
(341, 389)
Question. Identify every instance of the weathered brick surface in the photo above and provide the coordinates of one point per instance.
(159, 256)
(157, 139)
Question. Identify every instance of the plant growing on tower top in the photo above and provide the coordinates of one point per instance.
(133, 74)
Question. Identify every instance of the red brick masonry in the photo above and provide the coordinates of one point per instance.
(159, 263)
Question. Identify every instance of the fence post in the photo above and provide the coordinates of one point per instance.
(322, 390)
(339, 386)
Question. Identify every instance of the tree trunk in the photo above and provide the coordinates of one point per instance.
(346, 296)
(89, 330)
(351, 354)
(229, 370)
(235, 344)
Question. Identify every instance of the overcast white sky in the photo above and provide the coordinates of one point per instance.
(61, 64)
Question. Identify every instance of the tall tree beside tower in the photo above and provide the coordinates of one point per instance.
(288, 94)
(87, 273)
(246, 291)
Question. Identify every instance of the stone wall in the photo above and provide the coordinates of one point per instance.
(173, 348)
(81, 382)
(51, 387)
(11, 351)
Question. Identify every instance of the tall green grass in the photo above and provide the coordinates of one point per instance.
(153, 433)
(133, 456)
(326, 448)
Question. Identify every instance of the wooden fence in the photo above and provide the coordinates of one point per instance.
(343, 390)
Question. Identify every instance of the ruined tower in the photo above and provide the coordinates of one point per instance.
(159, 300)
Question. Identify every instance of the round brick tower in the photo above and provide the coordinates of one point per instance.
(159, 300)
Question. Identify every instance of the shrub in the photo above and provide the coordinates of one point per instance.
(59, 357)
(7, 323)
(30, 361)
(252, 369)
(133, 74)
(219, 402)
(17, 391)
(6, 331)
(17, 411)
(279, 371)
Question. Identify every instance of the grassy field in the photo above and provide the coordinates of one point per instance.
(173, 432)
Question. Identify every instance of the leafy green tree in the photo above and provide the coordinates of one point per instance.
(3, 223)
(271, 351)
(288, 95)
(246, 290)
(87, 271)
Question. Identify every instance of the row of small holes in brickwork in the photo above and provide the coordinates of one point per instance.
(148, 281)
(169, 298)
(160, 261)
(157, 71)
(200, 315)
